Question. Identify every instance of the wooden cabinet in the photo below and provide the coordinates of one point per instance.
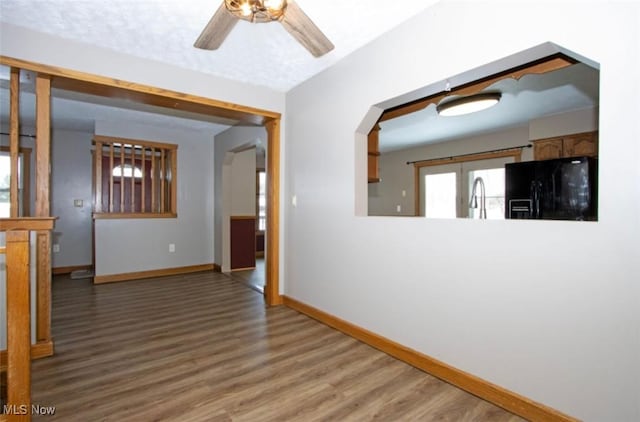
(574, 145)
(373, 155)
(581, 144)
(546, 149)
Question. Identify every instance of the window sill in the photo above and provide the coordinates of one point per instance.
(117, 215)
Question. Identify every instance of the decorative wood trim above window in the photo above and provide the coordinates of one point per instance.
(515, 152)
(134, 178)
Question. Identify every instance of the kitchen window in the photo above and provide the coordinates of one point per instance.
(446, 189)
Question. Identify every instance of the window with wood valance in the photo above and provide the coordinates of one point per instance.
(134, 178)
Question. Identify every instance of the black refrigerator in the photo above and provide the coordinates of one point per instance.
(558, 189)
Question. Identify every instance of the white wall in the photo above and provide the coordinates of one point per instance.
(70, 180)
(130, 245)
(579, 121)
(235, 138)
(243, 183)
(565, 331)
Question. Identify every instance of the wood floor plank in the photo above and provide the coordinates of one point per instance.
(203, 347)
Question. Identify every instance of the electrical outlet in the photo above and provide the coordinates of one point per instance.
(398, 208)
(172, 247)
(56, 248)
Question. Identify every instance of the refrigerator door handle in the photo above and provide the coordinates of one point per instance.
(535, 190)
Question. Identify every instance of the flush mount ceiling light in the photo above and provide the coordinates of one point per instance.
(469, 104)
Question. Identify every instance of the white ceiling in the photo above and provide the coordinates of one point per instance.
(261, 54)
(531, 97)
(165, 30)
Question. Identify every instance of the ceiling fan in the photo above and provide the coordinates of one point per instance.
(287, 12)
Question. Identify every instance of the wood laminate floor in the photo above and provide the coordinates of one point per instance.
(203, 347)
(252, 278)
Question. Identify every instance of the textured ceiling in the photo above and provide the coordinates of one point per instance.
(260, 54)
(165, 30)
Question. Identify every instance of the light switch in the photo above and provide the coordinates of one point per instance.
(56, 248)
(172, 247)
(77, 203)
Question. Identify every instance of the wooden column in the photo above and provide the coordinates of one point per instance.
(373, 155)
(14, 139)
(18, 323)
(272, 287)
(43, 177)
(97, 177)
(416, 190)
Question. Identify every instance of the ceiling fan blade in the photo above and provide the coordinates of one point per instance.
(216, 30)
(298, 24)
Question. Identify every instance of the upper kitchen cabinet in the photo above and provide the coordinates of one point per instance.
(574, 145)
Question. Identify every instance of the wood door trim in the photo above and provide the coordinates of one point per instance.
(14, 138)
(272, 244)
(73, 80)
(109, 87)
(477, 386)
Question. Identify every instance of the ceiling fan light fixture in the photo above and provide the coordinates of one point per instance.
(468, 104)
(274, 5)
(257, 10)
(245, 9)
(289, 14)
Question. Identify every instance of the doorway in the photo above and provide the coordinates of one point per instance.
(129, 94)
(244, 214)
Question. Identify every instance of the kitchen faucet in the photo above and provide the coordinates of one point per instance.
(473, 203)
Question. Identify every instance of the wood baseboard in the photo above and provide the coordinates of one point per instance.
(492, 393)
(69, 270)
(111, 278)
(242, 269)
(41, 349)
(217, 268)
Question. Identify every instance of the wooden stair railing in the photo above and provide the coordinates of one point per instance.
(18, 284)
